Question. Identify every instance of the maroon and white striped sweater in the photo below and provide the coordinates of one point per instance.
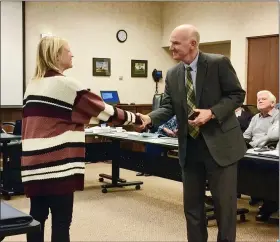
(55, 110)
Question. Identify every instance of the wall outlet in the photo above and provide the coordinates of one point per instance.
(120, 78)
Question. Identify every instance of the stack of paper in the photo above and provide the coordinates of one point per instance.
(132, 133)
(169, 140)
(97, 129)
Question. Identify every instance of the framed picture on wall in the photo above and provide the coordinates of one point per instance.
(139, 68)
(101, 66)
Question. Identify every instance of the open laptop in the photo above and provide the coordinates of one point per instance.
(110, 97)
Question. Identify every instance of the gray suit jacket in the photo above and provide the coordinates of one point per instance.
(218, 89)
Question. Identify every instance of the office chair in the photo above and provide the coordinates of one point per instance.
(157, 101)
(251, 108)
(14, 149)
(12, 128)
(8, 127)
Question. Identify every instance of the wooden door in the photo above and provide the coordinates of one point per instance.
(263, 66)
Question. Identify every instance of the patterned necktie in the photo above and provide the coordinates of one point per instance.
(193, 131)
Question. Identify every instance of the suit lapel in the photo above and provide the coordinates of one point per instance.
(182, 87)
(200, 76)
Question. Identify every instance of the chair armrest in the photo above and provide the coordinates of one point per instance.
(9, 123)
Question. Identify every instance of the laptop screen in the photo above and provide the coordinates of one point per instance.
(110, 97)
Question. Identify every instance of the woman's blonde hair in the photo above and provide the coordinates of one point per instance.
(47, 53)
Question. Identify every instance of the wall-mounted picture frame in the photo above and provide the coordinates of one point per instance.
(101, 66)
(139, 68)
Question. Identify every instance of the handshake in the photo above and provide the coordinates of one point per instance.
(145, 119)
(198, 118)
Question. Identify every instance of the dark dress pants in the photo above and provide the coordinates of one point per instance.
(199, 167)
(61, 207)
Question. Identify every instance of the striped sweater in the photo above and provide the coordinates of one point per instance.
(55, 110)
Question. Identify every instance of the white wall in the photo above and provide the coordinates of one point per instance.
(218, 21)
(91, 31)
(11, 54)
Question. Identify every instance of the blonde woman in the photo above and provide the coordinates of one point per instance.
(56, 108)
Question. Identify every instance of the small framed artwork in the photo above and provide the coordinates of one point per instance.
(139, 68)
(101, 66)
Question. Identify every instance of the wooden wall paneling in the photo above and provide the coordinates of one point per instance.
(263, 66)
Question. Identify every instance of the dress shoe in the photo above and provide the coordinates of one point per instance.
(262, 217)
(140, 174)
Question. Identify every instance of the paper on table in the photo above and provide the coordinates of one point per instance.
(133, 133)
(97, 129)
(118, 134)
(270, 152)
(173, 141)
(166, 140)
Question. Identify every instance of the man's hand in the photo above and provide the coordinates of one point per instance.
(146, 120)
(203, 117)
(169, 132)
(259, 142)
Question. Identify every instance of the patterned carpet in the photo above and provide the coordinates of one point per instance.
(154, 213)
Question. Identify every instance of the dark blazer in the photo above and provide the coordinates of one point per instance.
(218, 89)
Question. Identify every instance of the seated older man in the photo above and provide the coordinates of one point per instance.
(269, 207)
(259, 131)
(263, 128)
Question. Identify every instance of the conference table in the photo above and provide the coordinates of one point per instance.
(258, 175)
(116, 138)
(5, 139)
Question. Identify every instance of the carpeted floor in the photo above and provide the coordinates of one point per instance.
(154, 213)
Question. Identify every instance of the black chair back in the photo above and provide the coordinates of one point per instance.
(17, 128)
(251, 108)
(157, 101)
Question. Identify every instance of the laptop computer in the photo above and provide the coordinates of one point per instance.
(110, 97)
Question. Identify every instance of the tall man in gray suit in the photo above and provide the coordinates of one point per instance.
(211, 143)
